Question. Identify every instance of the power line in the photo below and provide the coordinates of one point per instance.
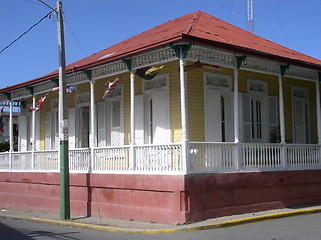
(48, 15)
(279, 15)
(74, 36)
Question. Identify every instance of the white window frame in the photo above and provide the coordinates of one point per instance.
(81, 100)
(300, 93)
(258, 91)
(119, 96)
(223, 84)
(150, 87)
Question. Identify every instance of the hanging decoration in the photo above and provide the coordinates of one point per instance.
(69, 89)
(148, 73)
(1, 122)
(198, 64)
(39, 103)
(111, 87)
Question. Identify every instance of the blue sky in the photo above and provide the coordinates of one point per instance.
(92, 25)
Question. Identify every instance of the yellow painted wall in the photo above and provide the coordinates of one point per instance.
(195, 93)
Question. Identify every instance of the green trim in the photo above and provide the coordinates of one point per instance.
(8, 95)
(128, 63)
(55, 81)
(88, 74)
(30, 89)
(240, 60)
(177, 49)
(283, 69)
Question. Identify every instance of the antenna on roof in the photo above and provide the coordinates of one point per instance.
(250, 16)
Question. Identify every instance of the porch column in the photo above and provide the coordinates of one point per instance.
(317, 87)
(132, 120)
(132, 108)
(181, 51)
(238, 62)
(92, 123)
(236, 105)
(281, 110)
(184, 113)
(283, 68)
(33, 134)
(11, 127)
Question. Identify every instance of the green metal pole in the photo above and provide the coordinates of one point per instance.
(63, 122)
(64, 181)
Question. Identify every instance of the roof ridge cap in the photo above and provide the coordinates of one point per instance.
(194, 21)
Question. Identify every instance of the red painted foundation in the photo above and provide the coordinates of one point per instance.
(161, 198)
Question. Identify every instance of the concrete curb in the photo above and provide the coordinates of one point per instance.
(159, 231)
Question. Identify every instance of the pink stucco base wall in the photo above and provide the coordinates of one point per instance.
(160, 198)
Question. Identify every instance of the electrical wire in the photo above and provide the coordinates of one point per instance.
(279, 15)
(74, 35)
(48, 15)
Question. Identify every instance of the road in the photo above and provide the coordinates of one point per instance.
(305, 227)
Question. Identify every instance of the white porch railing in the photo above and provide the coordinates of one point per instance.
(46, 160)
(111, 159)
(158, 158)
(79, 159)
(167, 158)
(262, 156)
(211, 157)
(303, 156)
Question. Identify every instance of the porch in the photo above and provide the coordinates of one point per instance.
(168, 159)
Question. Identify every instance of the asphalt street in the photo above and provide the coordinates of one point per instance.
(302, 227)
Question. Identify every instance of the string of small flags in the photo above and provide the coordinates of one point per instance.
(69, 89)
(111, 87)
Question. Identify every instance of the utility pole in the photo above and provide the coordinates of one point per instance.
(63, 122)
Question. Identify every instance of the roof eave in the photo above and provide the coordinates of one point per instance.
(253, 52)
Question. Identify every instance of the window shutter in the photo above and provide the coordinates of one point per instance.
(299, 121)
(101, 127)
(72, 128)
(108, 123)
(37, 131)
(23, 133)
(139, 119)
(115, 124)
(273, 118)
(213, 116)
(247, 121)
(160, 117)
(48, 131)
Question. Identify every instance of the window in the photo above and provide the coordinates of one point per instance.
(152, 119)
(218, 105)
(84, 127)
(256, 106)
(300, 113)
(110, 120)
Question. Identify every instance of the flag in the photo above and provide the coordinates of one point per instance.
(111, 87)
(1, 123)
(39, 103)
(69, 89)
(148, 73)
(198, 64)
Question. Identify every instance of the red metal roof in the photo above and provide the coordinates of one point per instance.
(197, 27)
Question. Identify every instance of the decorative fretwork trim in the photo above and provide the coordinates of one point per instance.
(156, 57)
(166, 54)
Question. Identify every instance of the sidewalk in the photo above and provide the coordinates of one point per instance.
(134, 227)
